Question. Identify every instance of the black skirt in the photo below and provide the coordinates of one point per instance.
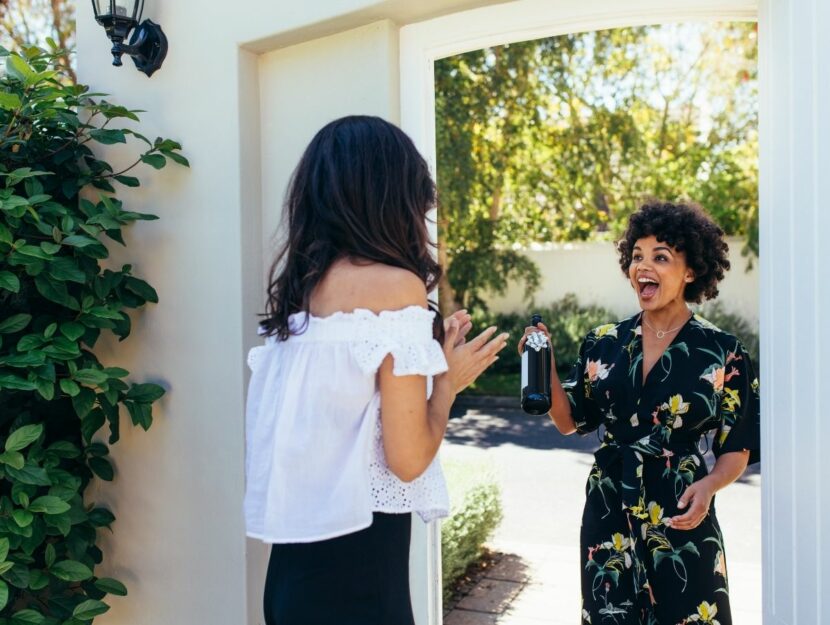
(356, 579)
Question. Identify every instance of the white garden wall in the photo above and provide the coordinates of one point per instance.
(591, 271)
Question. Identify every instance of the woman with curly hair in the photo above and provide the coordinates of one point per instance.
(651, 548)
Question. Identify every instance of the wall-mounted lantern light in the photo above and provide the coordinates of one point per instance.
(147, 46)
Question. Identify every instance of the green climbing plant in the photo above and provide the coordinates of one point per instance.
(59, 213)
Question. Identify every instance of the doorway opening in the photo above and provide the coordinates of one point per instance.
(543, 148)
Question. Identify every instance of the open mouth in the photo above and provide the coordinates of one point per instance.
(648, 287)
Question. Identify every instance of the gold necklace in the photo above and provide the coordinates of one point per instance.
(661, 333)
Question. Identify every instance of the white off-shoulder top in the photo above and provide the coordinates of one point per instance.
(315, 467)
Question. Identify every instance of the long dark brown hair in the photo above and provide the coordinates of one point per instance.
(362, 191)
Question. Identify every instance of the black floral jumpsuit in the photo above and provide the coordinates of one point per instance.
(635, 569)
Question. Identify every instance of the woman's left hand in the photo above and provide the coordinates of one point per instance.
(464, 325)
(697, 497)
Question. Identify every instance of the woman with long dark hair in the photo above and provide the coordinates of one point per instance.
(350, 395)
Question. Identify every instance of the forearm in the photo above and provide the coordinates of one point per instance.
(560, 405)
(728, 468)
(438, 408)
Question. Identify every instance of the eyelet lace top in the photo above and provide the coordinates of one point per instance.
(315, 466)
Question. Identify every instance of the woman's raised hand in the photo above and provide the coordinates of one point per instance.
(530, 330)
(468, 359)
(464, 322)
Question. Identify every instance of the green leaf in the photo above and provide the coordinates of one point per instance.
(156, 161)
(72, 330)
(29, 342)
(145, 393)
(89, 609)
(19, 68)
(23, 437)
(83, 402)
(50, 555)
(141, 414)
(4, 594)
(27, 617)
(13, 459)
(50, 330)
(13, 382)
(101, 517)
(49, 504)
(71, 571)
(92, 377)
(116, 372)
(105, 313)
(67, 269)
(23, 518)
(9, 101)
(53, 291)
(30, 474)
(64, 449)
(108, 136)
(69, 387)
(15, 323)
(26, 359)
(178, 158)
(142, 289)
(102, 468)
(79, 240)
(38, 580)
(128, 181)
(9, 281)
(33, 252)
(45, 388)
(111, 586)
(4, 549)
(5, 567)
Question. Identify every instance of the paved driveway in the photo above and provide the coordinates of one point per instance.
(542, 475)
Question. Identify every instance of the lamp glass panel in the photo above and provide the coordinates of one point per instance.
(103, 7)
(124, 8)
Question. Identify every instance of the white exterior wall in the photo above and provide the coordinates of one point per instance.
(592, 273)
(795, 184)
(179, 540)
(244, 92)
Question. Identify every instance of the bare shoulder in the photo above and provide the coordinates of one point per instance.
(373, 286)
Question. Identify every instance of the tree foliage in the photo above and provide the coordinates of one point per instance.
(559, 139)
(58, 294)
(42, 23)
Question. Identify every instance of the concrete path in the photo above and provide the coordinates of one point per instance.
(542, 476)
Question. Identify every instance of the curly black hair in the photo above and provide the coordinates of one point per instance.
(689, 229)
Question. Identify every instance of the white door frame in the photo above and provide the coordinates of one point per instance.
(422, 43)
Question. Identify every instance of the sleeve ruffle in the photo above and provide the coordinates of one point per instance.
(407, 335)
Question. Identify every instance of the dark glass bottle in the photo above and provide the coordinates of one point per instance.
(536, 360)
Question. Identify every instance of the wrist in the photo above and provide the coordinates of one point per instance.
(443, 384)
(711, 483)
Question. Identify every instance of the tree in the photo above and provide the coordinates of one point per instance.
(26, 23)
(559, 139)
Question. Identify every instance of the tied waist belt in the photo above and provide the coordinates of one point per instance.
(632, 456)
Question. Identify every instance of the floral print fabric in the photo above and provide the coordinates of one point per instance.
(635, 569)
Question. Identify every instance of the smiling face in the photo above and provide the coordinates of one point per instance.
(658, 274)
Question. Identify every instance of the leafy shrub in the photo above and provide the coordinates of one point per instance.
(57, 204)
(475, 514)
(569, 322)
